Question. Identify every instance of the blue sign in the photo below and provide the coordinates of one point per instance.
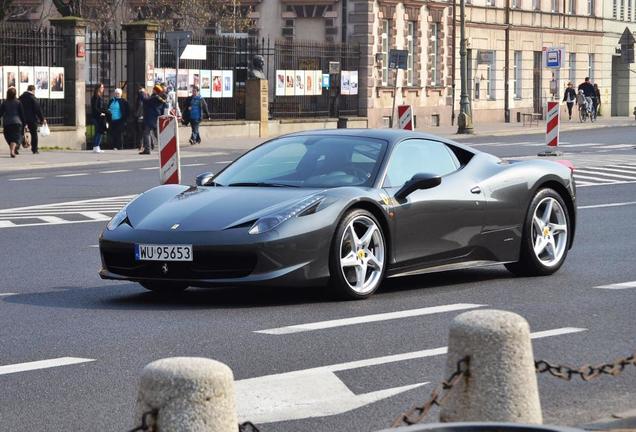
(554, 57)
(325, 81)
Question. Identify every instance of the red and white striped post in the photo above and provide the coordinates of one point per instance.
(169, 162)
(552, 130)
(405, 116)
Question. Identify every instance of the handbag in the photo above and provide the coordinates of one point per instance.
(44, 130)
(26, 140)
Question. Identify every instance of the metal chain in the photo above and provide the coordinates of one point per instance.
(144, 422)
(248, 427)
(587, 372)
(416, 413)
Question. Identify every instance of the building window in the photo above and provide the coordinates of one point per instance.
(536, 4)
(385, 51)
(622, 10)
(629, 10)
(590, 67)
(490, 2)
(554, 6)
(410, 46)
(590, 7)
(572, 74)
(517, 74)
(491, 78)
(514, 4)
(434, 53)
(571, 7)
(615, 9)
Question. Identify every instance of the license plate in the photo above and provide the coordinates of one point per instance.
(163, 252)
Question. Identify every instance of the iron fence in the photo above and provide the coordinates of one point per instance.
(23, 45)
(299, 55)
(222, 53)
(106, 63)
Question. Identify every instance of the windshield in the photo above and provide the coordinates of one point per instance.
(321, 161)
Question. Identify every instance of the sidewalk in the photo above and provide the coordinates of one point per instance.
(61, 159)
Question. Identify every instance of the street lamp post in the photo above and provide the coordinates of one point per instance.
(465, 117)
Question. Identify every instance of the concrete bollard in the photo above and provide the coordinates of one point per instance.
(502, 382)
(190, 394)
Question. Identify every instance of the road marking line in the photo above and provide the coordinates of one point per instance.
(42, 364)
(607, 168)
(617, 146)
(104, 201)
(605, 174)
(223, 162)
(51, 219)
(114, 171)
(192, 164)
(46, 223)
(320, 325)
(318, 392)
(37, 215)
(620, 204)
(6, 224)
(577, 176)
(616, 286)
(72, 175)
(93, 246)
(149, 168)
(7, 294)
(26, 178)
(579, 145)
(95, 215)
(608, 184)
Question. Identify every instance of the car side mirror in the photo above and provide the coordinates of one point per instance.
(204, 178)
(418, 181)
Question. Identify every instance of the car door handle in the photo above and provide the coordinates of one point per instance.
(476, 190)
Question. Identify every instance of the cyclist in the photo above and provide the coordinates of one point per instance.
(588, 91)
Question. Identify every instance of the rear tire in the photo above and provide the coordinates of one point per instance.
(358, 256)
(545, 240)
(164, 288)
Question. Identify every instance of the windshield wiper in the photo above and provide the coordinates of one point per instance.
(262, 184)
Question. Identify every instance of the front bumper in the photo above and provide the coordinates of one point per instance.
(290, 257)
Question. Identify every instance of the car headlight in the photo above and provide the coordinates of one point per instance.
(117, 220)
(270, 222)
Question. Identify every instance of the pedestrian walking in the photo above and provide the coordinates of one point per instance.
(32, 115)
(98, 115)
(154, 106)
(195, 107)
(569, 97)
(13, 121)
(597, 93)
(139, 117)
(118, 112)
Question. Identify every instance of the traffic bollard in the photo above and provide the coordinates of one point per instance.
(188, 394)
(501, 385)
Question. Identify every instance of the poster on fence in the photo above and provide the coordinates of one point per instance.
(194, 79)
(182, 83)
(299, 89)
(41, 82)
(10, 77)
(56, 89)
(353, 81)
(150, 75)
(345, 83)
(228, 83)
(206, 83)
(171, 79)
(26, 78)
(309, 83)
(217, 83)
(280, 83)
(289, 83)
(160, 76)
(318, 82)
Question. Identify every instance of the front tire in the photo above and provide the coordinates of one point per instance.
(358, 257)
(545, 241)
(163, 287)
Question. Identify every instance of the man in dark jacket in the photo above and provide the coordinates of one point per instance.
(33, 115)
(154, 106)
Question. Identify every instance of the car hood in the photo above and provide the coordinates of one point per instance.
(209, 208)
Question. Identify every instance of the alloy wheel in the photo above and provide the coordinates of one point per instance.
(549, 231)
(362, 255)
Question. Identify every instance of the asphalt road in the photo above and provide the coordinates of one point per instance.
(53, 305)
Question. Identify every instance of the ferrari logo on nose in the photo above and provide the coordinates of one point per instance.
(164, 268)
(174, 227)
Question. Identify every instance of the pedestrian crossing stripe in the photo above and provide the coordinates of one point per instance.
(613, 173)
(72, 212)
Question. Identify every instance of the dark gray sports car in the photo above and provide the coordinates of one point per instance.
(345, 209)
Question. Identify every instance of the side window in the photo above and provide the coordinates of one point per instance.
(416, 156)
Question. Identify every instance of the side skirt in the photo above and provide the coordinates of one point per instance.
(445, 267)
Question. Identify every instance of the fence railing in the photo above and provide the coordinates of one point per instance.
(22, 45)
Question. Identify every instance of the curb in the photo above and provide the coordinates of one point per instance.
(537, 132)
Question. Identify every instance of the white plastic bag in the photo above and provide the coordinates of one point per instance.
(44, 130)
